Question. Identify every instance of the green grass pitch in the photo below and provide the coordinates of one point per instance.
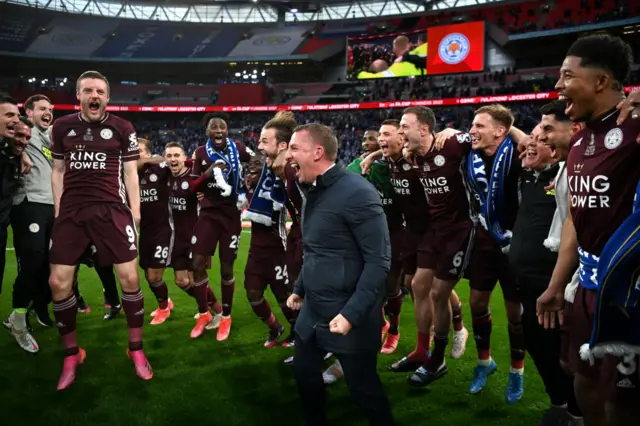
(237, 382)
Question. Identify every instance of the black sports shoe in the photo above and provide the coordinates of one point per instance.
(111, 312)
(274, 335)
(42, 315)
(423, 377)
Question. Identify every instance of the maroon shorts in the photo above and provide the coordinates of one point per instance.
(410, 252)
(108, 227)
(214, 228)
(397, 243)
(155, 249)
(618, 378)
(446, 249)
(294, 257)
(265, 267)
(489, 265)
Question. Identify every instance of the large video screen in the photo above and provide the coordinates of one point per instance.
(447, 49)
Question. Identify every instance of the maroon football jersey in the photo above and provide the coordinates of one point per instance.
(511, 197)
(183, 204)
(263, 236)
(294, 198)
(154, 198)
(93, 153)
(409, 194)
(212, 194)
(603, 171)
(445, 182)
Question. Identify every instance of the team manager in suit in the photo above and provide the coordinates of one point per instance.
(341, 289)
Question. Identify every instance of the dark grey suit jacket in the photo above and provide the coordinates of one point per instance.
(346, 261)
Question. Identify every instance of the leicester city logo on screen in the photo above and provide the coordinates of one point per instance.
(454, 48)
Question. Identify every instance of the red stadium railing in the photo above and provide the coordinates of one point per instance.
(471, 100)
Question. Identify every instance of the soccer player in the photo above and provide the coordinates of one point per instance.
(155, 227)
(266, 264)
(446, 246)
(219, 223)
(97, 202)
(493, 174)
(183, 205)
(410, 197)
(274, 142)
(603, 174)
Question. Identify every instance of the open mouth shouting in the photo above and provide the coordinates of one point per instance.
(94, 108)
(46, 120)
(218, 139)
(295, 167)
(384, 147)
(569, 103)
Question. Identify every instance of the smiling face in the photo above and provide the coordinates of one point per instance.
(269, 145)
(412, 131)
(370, 141)
(301, 156)
(390, 142)
(218, 132)
(485, 131)
(93, 94)
(253, 171)
(21, 138)
(41, 115)
(556, 135)
(579, 86)
(9, 119)
(175, 158)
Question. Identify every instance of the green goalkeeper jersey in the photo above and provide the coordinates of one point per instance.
(379, 177)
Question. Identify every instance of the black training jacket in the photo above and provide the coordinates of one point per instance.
(530, 259)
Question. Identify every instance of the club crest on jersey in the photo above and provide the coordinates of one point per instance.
(439, 160)
(88, 136)
(406, 167)
(613, 139)
(193, 239)
(591, 148)
(153, 178)
(106, 134)
(34, 228)
(184, 186)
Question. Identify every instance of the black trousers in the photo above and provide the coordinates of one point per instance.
(361, 377)
(544, 346)
(109, 286)
(3, 253)
(32, 224)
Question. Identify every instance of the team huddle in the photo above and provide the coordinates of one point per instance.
(452, 201)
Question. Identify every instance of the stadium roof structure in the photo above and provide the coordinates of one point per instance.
(243, 12)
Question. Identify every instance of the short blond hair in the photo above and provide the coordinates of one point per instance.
(147, 144)
(323, 136)
(499, 113)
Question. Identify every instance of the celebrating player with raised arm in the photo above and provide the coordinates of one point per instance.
(97, 202)
(219, 220)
